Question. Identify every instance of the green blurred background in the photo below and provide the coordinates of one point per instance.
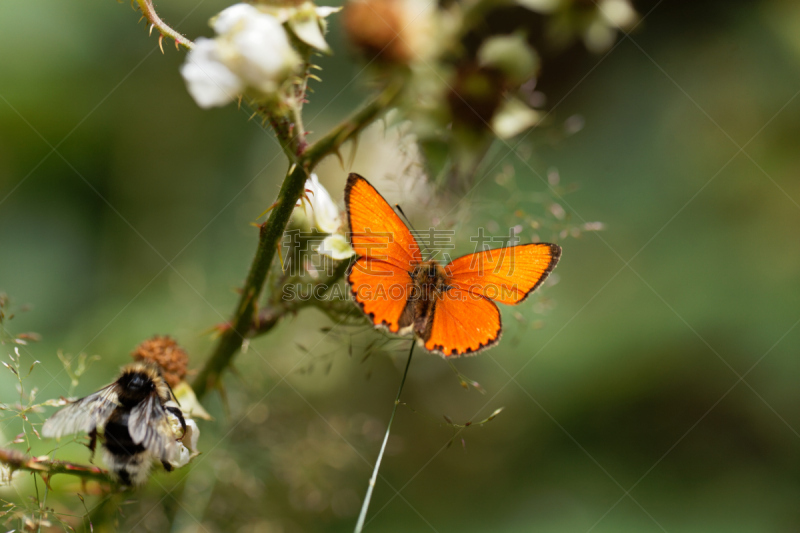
(125, 211)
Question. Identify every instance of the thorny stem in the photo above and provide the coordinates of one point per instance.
(268, 240)
(271, 233)
(288, 127)
(365, 506)
(17, 460)
(155, 21)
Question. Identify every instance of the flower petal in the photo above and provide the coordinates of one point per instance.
(336, 247)
(307, 28)
(208, 80)
(267, 57)
(326, 212)
(188, 401)
(230, 17)
(324, 11)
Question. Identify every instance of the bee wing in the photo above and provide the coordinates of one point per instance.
(84, 414)
(149, 426)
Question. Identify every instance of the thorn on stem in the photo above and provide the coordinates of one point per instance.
(280, 256)
(338, 155)
(270, 208)
(161, 43)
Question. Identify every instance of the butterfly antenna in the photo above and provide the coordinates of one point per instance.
(414, 232)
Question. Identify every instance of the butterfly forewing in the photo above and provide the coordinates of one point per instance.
(376, 232)
(506, 275)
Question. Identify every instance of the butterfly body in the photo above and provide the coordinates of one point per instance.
(429, 283)
(449, 308)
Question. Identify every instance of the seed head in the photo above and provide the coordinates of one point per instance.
(165, 352)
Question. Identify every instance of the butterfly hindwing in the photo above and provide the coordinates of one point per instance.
(463, 323)
(381, 289)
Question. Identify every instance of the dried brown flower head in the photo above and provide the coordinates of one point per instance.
(392, 31)
(165, 352)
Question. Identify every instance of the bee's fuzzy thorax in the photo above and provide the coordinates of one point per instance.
(149, 373)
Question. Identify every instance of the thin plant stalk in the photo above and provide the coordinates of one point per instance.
(365, 506)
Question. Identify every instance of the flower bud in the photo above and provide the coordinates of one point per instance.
(251, 54)
(305, 20)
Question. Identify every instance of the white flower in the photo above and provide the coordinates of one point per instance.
(306, 21)
(188, 401)
(187, 445)
(209, 81)
(327, 218)
(251, 53)
(336, 247)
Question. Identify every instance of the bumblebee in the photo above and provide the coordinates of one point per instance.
(132, 416)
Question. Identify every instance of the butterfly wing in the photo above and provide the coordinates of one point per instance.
(506, 275)
(376, 232)
(380, 279)
(149, 426)
(463, 322)
(84, 414)
(381, 290)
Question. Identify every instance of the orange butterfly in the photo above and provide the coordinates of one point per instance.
(449, 308)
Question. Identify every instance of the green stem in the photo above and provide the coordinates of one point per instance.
(288, 126)
(365, 506)
(268, 241)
